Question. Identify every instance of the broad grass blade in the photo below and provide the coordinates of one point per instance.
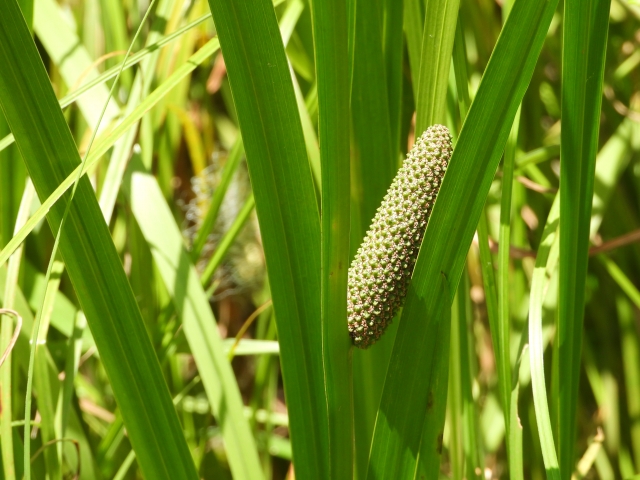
(406, 400)
(435, 62)
(584, 47)
(287, 211)
(45, 142)
(183, 284)
(332, 76)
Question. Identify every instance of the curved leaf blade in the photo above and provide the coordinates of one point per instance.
(287, 212)
(397, 438)
(44, 139)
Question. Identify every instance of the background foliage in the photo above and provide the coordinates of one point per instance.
(193, 323)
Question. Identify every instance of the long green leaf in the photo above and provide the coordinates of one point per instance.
(435, 65)
(223, 246)
(332, 72)
(408, 391)
(105, 142)
(472, 447)
(545, 265)
(435, 62)
(393, 43)
(72, 60)
(6, 334)
(21, 358)
(140, 89)
(235, 155)
(474, 453)
(610, 163)
(112, 72)
(584, 47)
(287, 212)
(414, 28)
(48, 393)
(183, 283)
(45, 142)
(377, 157)
(374, 162)
(502, 337)
(287, 24)
(630, 346)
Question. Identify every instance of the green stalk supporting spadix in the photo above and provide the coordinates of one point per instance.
(381, 271)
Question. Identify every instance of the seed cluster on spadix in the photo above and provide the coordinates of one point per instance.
(380, 273)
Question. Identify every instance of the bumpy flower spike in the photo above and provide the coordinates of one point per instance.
(381, 271)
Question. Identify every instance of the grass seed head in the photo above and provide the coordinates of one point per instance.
(381, 271)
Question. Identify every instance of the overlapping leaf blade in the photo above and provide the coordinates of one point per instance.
(45, 142)
(397, 438)
(332, 67)
(287, 211)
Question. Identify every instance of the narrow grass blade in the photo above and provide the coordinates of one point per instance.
(139, 91)
(310, 136)
(588, 458)
(546, 260)
(332, 77)
(6, 335)
(116, 36)
(488, 276)
(72, 362)
(105, 142)
(625, 284)
(455, 398)
(584, 46)
(393, 47)
(251, 347)
(502, 338)
(126, 465)
(47, 147)
(611, 161)
(72, 60)
(181, 279)
(374, 162)
(228, 239)
(414, 28)
(112, 72)
(508, 384)
(455, 215)
(539, 155)
(472, 446)
(435, 62)
(48, 391)
(235, 155)
(376, 156)
(630, 343)
(460, 70)
(287, 211)
(473, 451)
